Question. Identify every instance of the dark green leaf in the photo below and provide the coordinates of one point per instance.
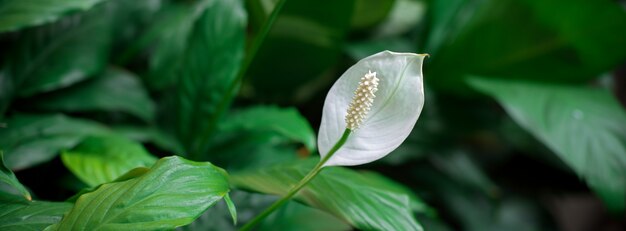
(351, 196)
(114, 90)
(285, 121)
(294, 216)
(583, 126)
(360, 50)
(168, 37)
(9, 178)
(461, 168)
(56, 55)
(29, 140)
(16, 14)
(403, 17)
(97, 160)
(17, 214)
(524, 40)
(209, 67)
(305, 41)
(151, 135)
(173, 193)
(368, 13)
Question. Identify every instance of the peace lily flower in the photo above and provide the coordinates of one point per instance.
(368, 112)
(378, 116)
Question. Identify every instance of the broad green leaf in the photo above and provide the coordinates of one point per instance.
(98, 160)
(394, 111)
(348, 195)
(29, 140)
(172, 193)
(524, 40)
(55, 56)
(9, 178)
(209, 67)
(17, 14)
(284, 121)
(583, 126)
(18, 214)
(114, 90)
(167, 37)
(306, 40)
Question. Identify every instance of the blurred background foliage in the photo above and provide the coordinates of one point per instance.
(524, 126)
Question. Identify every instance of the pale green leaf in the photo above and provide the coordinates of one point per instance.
(8, 177)
(98, 160)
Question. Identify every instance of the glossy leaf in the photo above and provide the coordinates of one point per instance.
(98, 160)
(205, 79)
(29, 140)
(16, 14)
(306, 41)
(524, 40)
(398, 104)
(172, 193)
(284, 121)
(350, 196)
(8, 177)
(114, 90)
(583, 126)
(19, 214)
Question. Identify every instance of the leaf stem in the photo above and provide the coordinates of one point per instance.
(316, 170)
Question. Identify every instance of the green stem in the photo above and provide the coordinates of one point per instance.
(316, 170)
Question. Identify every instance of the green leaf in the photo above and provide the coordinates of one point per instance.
(55, 56)
(583, 126)
(460, 167)
(151, 135)
(209, 67)
(362, 49)
(231, 208)
(29, 140)
(97, 160)
(114, 90)
(524, 40)
(287, 122)
(306, 40)
(348, 195)
(173, 193)
(19, 214)
(17, 14)
(294, 216)
(9, 178)
(368, 13)
(167, 37)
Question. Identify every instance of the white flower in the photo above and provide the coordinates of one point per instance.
(378, 100)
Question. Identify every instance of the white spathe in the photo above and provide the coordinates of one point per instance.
(398, 104)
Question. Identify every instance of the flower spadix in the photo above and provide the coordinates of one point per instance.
(378, 100)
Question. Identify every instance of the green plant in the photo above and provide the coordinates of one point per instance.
(201, 115)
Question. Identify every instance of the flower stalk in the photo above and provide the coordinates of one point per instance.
(292, 192)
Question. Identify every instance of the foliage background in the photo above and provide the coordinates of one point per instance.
(524, 126)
